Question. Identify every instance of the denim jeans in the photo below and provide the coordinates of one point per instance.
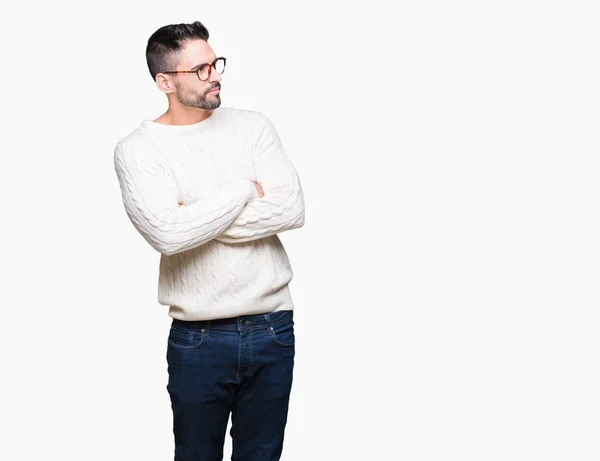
(243, 365)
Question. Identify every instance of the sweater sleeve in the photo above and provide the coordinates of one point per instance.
(150, 197)
(282, 206)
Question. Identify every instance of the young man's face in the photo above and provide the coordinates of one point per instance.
(189, 89)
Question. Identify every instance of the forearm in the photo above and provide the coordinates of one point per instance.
(154, 210)
(282, 206)
(278, 211)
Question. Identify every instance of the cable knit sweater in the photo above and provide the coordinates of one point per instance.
(188, 190)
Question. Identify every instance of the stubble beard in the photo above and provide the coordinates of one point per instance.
(200, 101)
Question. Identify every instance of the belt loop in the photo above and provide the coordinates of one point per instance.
(268, 319)
(207, 328)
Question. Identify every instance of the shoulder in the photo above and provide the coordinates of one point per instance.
(141, 138)
(135, 145)
(253, 118)
(133, 136)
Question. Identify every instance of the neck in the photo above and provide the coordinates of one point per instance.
(183, 116)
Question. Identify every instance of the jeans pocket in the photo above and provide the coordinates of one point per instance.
(283, 333)
(184, 338)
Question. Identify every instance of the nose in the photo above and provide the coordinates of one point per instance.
(214, 76)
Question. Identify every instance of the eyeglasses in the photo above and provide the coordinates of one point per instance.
(204, 70)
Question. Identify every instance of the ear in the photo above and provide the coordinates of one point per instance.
(164, 83)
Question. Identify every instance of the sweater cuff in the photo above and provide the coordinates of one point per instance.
(252, 192)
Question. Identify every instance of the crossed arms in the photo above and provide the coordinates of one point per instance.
(238, 213)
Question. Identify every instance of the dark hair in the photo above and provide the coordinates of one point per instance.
(164, 45)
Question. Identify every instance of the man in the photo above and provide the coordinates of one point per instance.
(210, 188)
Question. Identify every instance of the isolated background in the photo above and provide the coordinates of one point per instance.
(446, 279)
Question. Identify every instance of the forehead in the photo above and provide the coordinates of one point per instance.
(195, 52)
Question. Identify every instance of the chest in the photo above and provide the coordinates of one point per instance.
(203, 165)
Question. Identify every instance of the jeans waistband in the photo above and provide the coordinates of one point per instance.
(233, 323)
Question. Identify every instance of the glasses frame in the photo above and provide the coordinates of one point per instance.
(197, 71)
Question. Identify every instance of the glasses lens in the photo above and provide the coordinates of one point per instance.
(220, 65)
(203, 72)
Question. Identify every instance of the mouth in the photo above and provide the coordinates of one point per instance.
(215, 90)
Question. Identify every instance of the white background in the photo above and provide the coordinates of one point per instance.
(445, 281)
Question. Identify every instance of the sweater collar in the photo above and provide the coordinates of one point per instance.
(180, 129)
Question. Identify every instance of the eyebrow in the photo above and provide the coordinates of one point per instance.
(200, 65)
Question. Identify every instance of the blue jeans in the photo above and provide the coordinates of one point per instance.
(242, 365)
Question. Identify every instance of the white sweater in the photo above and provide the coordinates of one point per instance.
(188, 190)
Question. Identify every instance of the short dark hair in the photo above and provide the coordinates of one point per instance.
(164, 45)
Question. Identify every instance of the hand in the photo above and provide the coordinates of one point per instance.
(259, 188)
